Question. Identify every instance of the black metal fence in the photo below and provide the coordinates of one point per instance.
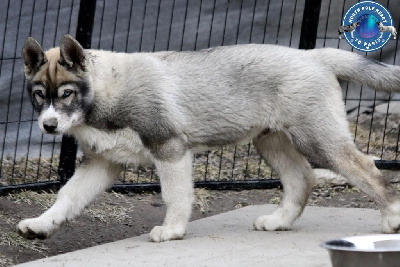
(30, 159)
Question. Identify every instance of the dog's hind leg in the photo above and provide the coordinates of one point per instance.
(328, 143)
(296, 176)
(361, 171)
(177, 192)
(93, 177)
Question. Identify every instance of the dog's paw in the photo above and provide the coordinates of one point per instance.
(165, 233)
(271, 223)
(391, 218)
(36, 228)
(391, 224)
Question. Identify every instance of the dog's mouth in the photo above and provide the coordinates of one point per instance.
(53, 132)
(49, 130)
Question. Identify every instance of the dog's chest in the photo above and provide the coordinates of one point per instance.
(122, 146)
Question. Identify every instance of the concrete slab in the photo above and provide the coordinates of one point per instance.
(229, 240)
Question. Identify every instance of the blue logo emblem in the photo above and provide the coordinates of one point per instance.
(367, 26)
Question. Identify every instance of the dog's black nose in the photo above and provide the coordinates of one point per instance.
(50, 125)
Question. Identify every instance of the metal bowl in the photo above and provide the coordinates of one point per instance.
(365, 251)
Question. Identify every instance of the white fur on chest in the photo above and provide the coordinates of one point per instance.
(122, 146)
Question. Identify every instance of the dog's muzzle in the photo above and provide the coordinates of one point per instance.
(50, 125)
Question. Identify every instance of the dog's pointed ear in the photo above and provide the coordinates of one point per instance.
(33, 56)
(72, 54)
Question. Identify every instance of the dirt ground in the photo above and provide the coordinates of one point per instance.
(117, 216)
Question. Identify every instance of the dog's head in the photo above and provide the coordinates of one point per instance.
(59, 83)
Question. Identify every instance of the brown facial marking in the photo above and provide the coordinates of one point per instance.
(52, 74)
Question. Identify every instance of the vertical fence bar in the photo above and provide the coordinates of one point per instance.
(84, 31)
(309, 26)
(1, 68)
(66, 167)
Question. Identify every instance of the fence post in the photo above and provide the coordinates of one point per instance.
(66, 167)
(309, 25)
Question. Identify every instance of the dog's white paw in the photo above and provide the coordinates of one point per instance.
(272, 223)
(391, 224)
(391, 218)
(165, 233)
(37, 228)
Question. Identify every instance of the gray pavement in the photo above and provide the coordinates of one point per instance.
(229, 240)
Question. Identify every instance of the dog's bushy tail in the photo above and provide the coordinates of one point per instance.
(353, 67)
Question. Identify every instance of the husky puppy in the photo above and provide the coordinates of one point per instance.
(162, 107)
(348, 28)
(390, 29)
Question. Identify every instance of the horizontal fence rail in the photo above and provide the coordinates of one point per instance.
(31, 160)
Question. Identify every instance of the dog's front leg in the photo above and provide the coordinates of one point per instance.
(93, 177)
(177, 193)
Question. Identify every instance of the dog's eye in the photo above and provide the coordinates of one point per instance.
(67, 93)
(39, 93)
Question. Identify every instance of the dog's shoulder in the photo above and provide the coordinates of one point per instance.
(98, 141)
